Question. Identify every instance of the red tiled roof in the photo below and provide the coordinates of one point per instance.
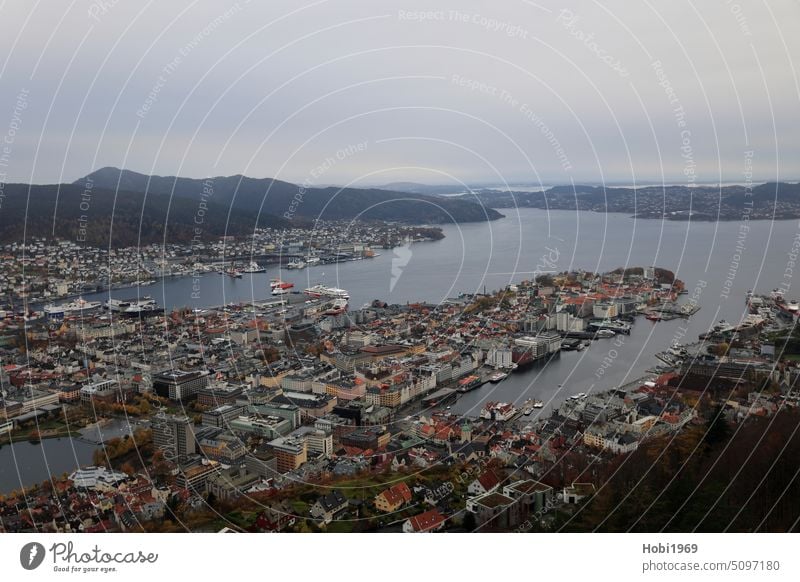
(489, 480)
(427, 521)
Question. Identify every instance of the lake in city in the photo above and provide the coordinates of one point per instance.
(26, 463)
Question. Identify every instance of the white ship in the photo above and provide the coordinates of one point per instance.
(254, 267)
(143, 305)
(323, 291)
(296, 264)
(78, 305)
(133, 306)
(497, 377)
(312, 260)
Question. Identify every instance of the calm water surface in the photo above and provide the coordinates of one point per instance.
(26, 463)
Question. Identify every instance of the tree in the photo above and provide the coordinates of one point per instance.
(717, 429)
(99, 458)
(721, 349)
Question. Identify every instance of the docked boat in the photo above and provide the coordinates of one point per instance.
(529, 405)
(310, 261)
(281, 288)
(141, 306)
(78, 306)
(254, 267)
(233, 273)
(605, 333)
(668, 359)
(497, 377)
(615, 326)
(278, 284)
(678, 351)
(720, 328)
(320, 290)
(117, 304)
(469, 383)
(296, 264)
(135, 306)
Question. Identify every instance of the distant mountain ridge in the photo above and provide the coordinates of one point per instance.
(772, 200)
(102, 217)
(267, 196)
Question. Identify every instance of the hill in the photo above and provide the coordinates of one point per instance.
(102, 217)
(266, 196)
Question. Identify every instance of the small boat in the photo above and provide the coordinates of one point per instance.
(296, 264)
(318, 291)
(497, 377)
(280, 288)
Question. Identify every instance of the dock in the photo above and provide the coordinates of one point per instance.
(441, 395)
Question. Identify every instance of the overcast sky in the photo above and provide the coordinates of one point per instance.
(371, 92)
